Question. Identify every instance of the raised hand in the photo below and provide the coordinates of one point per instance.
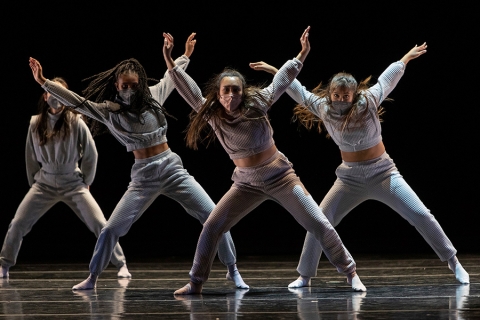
(190, 45)
(37, 70)
(167, 50)
(415, 52)
(262, 66)
(305, 45)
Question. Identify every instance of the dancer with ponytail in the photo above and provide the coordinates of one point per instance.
(350, 113)
(121, 102)
(57, 140)
(237, 115)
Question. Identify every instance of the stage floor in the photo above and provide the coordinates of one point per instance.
(418, 287)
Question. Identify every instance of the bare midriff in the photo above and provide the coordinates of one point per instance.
(256, 159)
(364, 155)
(150, 151)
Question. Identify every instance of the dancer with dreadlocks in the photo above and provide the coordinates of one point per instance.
(134, 114)
(350, 113)
(56, 141)
(237, 115)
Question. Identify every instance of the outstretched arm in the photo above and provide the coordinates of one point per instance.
(390, 77)
(414, 53)
(37, 71)
(287, 73)
(167, 50)
(162, 90)
(97, 111)
(305, 45)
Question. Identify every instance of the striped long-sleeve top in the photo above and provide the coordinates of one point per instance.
(124, 126)
(354, 137)
(246, 131)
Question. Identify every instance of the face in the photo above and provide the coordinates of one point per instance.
(230, 93)
(341, 94)
(127, 81)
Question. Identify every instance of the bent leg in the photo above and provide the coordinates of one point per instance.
(293, 196)
(87, 209)
(184, 189)
(337, 203)
(33, 206)
(233, 206)
(130, 208)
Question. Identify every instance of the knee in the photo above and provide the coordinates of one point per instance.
(215, 227)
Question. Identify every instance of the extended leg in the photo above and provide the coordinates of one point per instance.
(294, 197)
(233, 206)
(396, 193)
(184, 189)
(338, 202)
(81, 201)
(132, 205)
(33, 206)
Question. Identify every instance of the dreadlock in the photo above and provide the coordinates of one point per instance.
(212, 109)
(102, 87)
(62, 125)
(353, 116)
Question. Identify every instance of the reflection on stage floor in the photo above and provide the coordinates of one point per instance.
(397, 288)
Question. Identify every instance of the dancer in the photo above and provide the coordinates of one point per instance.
(350, 112)
(237, 115)
(56, 141)
(134, 114)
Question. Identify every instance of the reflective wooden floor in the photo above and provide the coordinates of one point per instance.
(418, 287)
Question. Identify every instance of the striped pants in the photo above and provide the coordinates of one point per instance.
(151, 177)
(276, 180)
(49, 189)
(376, 179)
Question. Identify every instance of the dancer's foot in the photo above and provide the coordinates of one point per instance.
(301, 282)
(354, 280)
(4, 272)
(460, 273)
(87, 284)
(234, 275)
(123, 272)
(190, 288)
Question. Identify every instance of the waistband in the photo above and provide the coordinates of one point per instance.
(59, 168)
(367, 162)
(155, 157)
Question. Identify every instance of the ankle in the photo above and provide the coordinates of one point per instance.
(232, 268)
(350, 276)
(452, 262)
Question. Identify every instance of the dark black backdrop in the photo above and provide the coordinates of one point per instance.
(429, 130)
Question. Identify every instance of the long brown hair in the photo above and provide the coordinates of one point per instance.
(353, 117)
(199, 130)
(62, 125)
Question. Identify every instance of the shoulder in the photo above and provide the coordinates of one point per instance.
(34, 118)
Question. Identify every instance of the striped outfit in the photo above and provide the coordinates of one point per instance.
(376, 179)
(150, 177)
(54, 176)
(247, 132)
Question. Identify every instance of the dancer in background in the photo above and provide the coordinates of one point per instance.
(57, 140)
(134, 114)
(350, 112)
(237, 115)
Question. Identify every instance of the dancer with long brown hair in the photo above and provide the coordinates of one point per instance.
(350, 113)
(57, 140)
(236, 114)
